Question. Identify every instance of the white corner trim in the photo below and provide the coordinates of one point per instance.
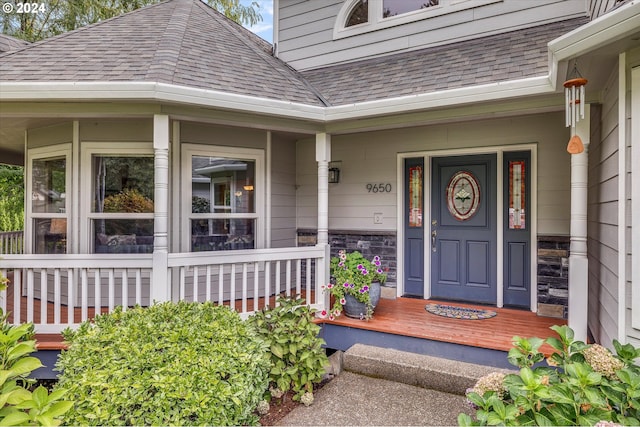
(635, 198)
(622, 197)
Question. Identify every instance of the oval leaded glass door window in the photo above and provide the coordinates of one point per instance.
(463, 195)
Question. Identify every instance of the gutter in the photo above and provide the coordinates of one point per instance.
(151, 91)
(611, 27)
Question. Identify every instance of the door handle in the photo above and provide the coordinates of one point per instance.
(434, 233)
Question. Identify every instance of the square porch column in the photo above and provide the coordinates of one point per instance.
(323, 156)
(578, 262)
(160, 290)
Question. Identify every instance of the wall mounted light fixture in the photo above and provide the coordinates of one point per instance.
(334, 172)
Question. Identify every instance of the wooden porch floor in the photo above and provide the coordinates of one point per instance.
(408, 317)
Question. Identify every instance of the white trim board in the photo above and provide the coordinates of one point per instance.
(635, 197)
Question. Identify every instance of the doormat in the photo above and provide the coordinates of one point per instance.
(459, 312)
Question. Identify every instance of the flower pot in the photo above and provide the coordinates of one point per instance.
(358, 310)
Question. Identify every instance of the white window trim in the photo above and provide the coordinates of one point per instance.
(116, 149)
(256, 155)
(377, 22)
(51, 152)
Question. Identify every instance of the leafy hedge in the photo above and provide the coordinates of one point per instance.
(18, 405)
(582, 384)
(297, 356)
(178, 364)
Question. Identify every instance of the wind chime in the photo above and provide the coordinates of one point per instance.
(574, 108)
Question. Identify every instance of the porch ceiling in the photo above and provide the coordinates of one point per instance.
(12, 136)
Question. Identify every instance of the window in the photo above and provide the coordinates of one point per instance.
(359, 14)
(363, 16)
(395, 7)
(225, 199)
(120, 188)
(48, 186)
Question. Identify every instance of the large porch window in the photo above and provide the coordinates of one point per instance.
(47, 210)
(121, 188)
(223, 187)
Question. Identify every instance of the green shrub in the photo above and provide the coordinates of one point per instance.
(178, 364)
(582, 385)
(18, 405)
(297, 356)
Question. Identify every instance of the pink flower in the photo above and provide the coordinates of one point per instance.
(322, 287)
(330, 286)
(331, 317)
(336, 313)
(343, 301)
(346, 284)
(323, 313)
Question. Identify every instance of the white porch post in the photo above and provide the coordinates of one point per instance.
(159, 281)
(323, 156)
(578, 262)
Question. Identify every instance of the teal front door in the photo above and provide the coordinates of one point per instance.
(463, 240)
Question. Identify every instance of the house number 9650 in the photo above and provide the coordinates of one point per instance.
(380, 187)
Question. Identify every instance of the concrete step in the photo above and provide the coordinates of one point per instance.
(420, 370)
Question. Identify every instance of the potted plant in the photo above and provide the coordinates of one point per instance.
(355, 284)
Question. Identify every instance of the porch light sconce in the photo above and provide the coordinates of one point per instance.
(334, 172)
(574, 107)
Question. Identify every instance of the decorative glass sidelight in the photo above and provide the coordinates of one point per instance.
(415, 196)
(463, 195)
(517, 216)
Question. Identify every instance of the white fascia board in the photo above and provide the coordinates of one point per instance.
(150, 91)
(446, 98)
(606, 29)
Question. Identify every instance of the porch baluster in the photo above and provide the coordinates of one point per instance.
(56, 297)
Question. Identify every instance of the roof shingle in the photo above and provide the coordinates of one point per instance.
(513, 55)
(181, 42)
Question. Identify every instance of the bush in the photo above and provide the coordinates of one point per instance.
(582, 385)
(178, 364)
(297, 356)
(18, 405)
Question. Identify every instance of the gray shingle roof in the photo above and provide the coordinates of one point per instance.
(513, 55)
(8, 43)
(182, 42)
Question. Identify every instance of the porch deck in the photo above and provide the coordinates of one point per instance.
(404, 324)
(407, 317)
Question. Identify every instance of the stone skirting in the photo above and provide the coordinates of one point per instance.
(368, 243)
(553, 276)
(553, 265)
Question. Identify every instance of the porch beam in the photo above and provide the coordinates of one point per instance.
(578, 262)
(160, 284)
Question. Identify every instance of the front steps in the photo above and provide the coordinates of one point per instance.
(420, 370)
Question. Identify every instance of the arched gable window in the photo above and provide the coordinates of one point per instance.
(363, 16)
(359, 14)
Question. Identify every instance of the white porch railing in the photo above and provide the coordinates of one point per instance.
(59, 291)
(244, 277)
(11, 242)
